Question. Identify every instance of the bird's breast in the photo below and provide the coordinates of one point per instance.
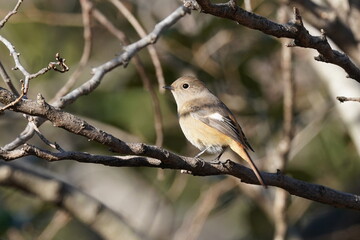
(202, 135)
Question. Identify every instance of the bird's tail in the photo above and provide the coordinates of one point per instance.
(241, 151)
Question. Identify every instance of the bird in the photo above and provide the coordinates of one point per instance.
(207, 122)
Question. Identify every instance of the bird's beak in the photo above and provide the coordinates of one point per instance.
(169, 88)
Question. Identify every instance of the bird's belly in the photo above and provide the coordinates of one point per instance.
(203, 136)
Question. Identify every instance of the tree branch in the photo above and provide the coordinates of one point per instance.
(101, 219)
(100, 71)
(294, 30)
(167, 159)
(347, 99)
(323, 16)
(14, 11)
(123, 59)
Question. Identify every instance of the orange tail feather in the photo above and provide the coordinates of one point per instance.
(241, 151)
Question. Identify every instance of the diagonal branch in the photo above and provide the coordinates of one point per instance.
(167, 159)
(294, 30)
(8, 16)
(87, 35)
(347, 99)
(141, 32)
(158, 121)
(100, 218)
(101, 71)
(122, 59)
(7, 80)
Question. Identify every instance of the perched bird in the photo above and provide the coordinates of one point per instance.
(207, 123)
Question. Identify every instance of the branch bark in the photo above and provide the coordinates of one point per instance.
(144, 155)
(293, 29)
(100, 71)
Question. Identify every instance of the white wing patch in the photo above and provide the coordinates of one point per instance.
(217, 116)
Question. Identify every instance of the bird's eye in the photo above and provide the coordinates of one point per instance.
(185, 86)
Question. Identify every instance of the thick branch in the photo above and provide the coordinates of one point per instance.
(169, 160)
(294, 30)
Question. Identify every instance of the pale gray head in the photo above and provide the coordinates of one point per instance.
(188, 88)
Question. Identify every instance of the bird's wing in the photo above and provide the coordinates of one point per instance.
(220, 118)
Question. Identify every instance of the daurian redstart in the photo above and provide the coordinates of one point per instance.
(207, 123)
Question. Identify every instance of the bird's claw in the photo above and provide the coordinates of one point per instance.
(202, 161)
(216, 161)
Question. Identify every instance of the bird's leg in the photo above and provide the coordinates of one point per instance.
(199, 154)
(217, 159)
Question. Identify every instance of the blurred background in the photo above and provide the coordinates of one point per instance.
(244, 67)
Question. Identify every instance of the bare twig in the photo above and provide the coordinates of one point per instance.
(59, 220)
(23, 137)
(323, 16)
(86, 11)
(281, 196)
(197, 215)
(27, 75)
(123, 59)
(25, 84)
(7, 80)
(101, 18)
(294, 30)
(100, 71)
(42, 137)
(158, 121)
(9, 105)
(101, 219)
(153, 156)
(140, 30)
(53, 65)
(347, 99)
(14, 11)
(34, 15)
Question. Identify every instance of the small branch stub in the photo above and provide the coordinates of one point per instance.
(60, 62)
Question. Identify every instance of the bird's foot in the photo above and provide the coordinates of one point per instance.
(216, 161)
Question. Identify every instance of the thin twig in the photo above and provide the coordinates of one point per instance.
(294, 30)
(27, 75)
(14, 11)
(101, 70)
(59, 220)
(23, 137)
(16, 100)
(195, 218)
(7, 80)
(87, 35)
(18, 65)
(281, 196)
(140, 30)
(43, 138)
(25, 84)
(123, 59)
(158, 121)
(347, 99)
